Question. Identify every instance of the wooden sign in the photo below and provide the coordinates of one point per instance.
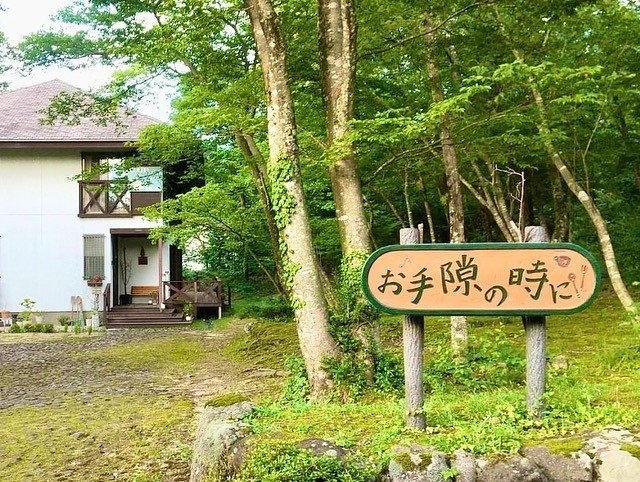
(490, 278)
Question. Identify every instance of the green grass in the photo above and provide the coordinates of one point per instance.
(160, 356)
(479, 407)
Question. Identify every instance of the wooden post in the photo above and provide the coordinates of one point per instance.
(535, 328)
(413, 345)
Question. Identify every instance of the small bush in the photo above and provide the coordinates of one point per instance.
(389, 373)
(297, 386)
(277, 461)
(64, 320)
(31, 328)
(15, 328)
(47, 328)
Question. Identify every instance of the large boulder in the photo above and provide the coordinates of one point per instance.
(558, 468)
(415, 463)
(515, 469)
(219, 430)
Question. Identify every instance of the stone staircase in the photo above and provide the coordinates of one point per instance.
(140, 315)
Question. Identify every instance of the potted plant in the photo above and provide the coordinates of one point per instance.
(5, 316)
(187, 309)
(95, 281)
(125, 273)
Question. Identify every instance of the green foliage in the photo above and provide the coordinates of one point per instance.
(38, 328)
(277, 461)
(388, 373)
(297, 387)
(64, 320)
(490, 362)
(28, 305)
(15, 328)
(273, 308)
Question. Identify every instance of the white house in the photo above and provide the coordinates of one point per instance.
(56, 231)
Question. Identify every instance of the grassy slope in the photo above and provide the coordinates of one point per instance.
(137, 436)
(599, 388)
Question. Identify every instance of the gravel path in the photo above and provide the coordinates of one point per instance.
(40, 373)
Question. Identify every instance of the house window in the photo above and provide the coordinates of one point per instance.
(93, 255)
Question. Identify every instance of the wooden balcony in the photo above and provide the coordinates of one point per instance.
(110, 199)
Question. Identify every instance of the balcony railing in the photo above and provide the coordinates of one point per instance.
(113, 199)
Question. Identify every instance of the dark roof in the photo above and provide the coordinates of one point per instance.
(21, 120)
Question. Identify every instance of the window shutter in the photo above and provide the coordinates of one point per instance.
(93, 255)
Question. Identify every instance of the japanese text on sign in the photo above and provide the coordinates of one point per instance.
(492, 278)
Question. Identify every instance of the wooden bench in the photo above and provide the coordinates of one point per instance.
(150, 291)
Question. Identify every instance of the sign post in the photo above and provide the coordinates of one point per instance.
(535, 331)
(525, 279)
(413, 347)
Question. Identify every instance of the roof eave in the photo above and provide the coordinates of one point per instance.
(66, 144)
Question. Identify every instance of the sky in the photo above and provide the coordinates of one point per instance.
(22, 17)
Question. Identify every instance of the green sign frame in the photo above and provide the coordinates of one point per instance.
(409, 248)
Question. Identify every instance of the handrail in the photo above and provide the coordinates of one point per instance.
(178, 292)
(106, 299)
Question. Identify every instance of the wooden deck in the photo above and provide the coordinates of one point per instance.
(179, 296)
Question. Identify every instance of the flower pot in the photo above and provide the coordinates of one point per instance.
(5, 316)
(125, 299)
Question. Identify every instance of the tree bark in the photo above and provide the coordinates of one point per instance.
(459, 336)
(590, 207)
(561, 209)
(413, 347)
(337, 41)
(302, 268)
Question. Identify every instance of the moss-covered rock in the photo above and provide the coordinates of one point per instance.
(225, 400)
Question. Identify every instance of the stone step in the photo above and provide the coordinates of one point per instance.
(146, 324)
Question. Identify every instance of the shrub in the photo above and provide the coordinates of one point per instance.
(297, 387)
(64, 320)
(15, 328)
(30, 328)
(277, 461)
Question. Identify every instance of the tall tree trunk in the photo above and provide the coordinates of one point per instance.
(427, 210)
(256, 163)
(337, 46)
(301, 265)
(459, 336)
(561, 209)
(337, 41)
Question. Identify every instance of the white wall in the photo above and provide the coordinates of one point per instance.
(41, 235)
